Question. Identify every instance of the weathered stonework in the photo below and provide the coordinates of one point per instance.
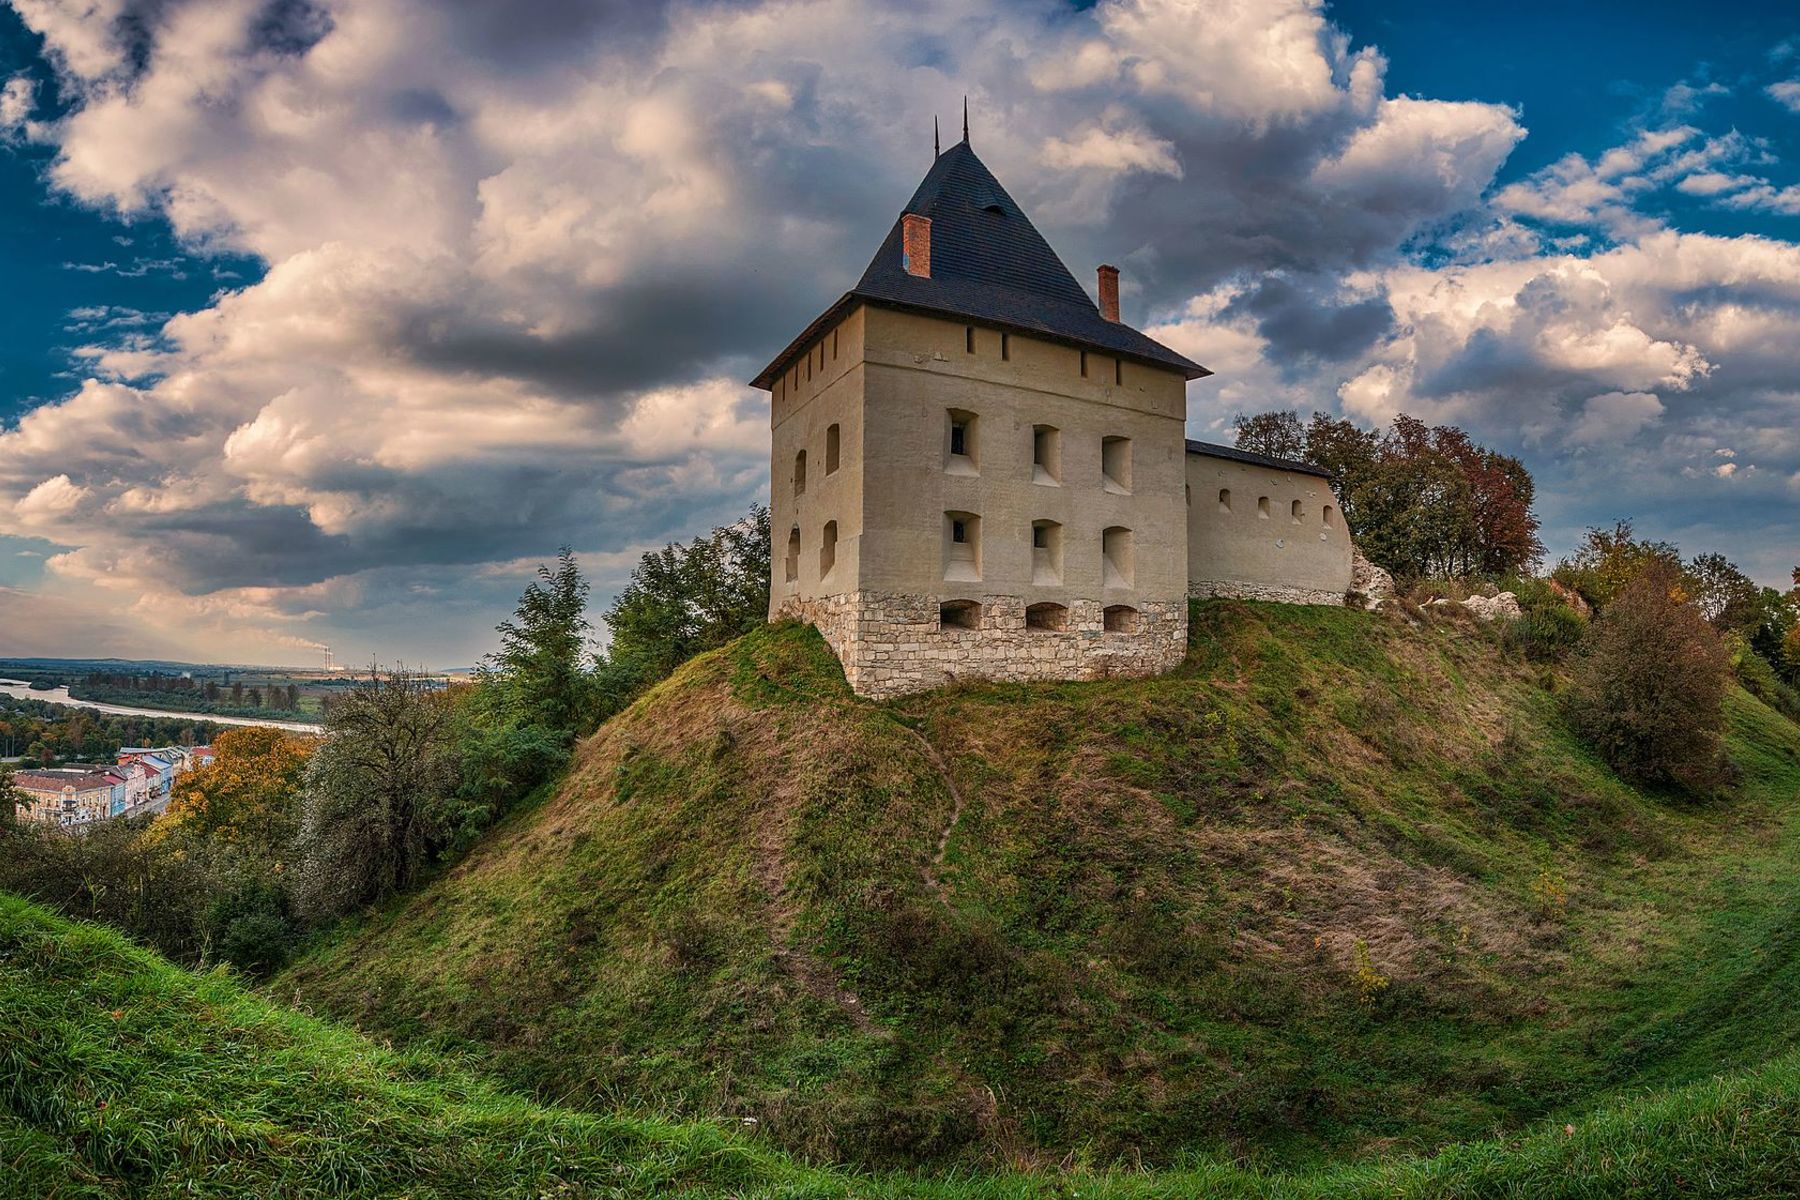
(1372, 586)
(892, 644)
(1238, 589)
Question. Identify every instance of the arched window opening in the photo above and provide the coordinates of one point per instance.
(1262, 507)
(1047, 617)
(1224, 499)
(1330, 517)
(959, 614)
(800, 473)
(1296, 510)
(828, 549)
(1119, 618)
(831, 450)
(791, 565)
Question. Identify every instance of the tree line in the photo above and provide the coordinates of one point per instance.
(211, 696)
(285, 833)
(46, 734)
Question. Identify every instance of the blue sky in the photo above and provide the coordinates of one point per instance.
(327, 320)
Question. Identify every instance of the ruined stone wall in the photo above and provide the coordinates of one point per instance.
(892, 645)
(1238, 589)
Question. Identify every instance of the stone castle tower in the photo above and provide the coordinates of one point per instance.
(978, 472)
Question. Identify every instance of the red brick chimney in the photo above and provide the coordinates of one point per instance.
(915, 245)
(1109, 292)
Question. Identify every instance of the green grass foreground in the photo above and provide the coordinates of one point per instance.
(1343, 889)
(124, 1076)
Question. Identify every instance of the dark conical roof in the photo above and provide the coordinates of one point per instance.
(990, 264)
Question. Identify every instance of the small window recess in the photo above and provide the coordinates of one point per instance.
(1046, 553)
(1296, 511)
(1006, 347)
(968, 339)
(1120, 618)
(959, 614)
(1046, 617)
(1115, 464)
(792, 563)
(828, 549)
(962, 444)
(800, 473)
(1084, 374)
(1046, 455)
(832, 436)
(1116, 557)
(1262, 507)
(1225, 500)
(962, 546)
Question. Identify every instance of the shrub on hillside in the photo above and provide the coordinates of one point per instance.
(1548, 628)
(1649, 686)
(381, 798)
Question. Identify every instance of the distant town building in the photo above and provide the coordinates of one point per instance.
(75, 795)
(70, 795)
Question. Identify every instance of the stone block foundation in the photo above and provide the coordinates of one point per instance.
(892, 644)
(1234, 589)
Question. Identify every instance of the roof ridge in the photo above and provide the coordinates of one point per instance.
(1220, 450)
(989, 264)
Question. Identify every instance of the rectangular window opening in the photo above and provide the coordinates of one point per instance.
(1046, 454)
(1115, 464)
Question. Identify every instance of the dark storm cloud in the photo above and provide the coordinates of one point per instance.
(1304, 321)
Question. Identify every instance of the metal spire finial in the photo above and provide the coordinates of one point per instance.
(965, 120)
(937, 147)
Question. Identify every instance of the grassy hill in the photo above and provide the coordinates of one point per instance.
(122, 1076)
(1339, 889)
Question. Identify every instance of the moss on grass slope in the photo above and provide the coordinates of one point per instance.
(1340, 887)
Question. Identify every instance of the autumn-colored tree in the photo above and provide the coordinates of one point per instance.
(1649, 687)
(1277, 434)
(250, 793)
(1609, 559)
(1419, 499)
